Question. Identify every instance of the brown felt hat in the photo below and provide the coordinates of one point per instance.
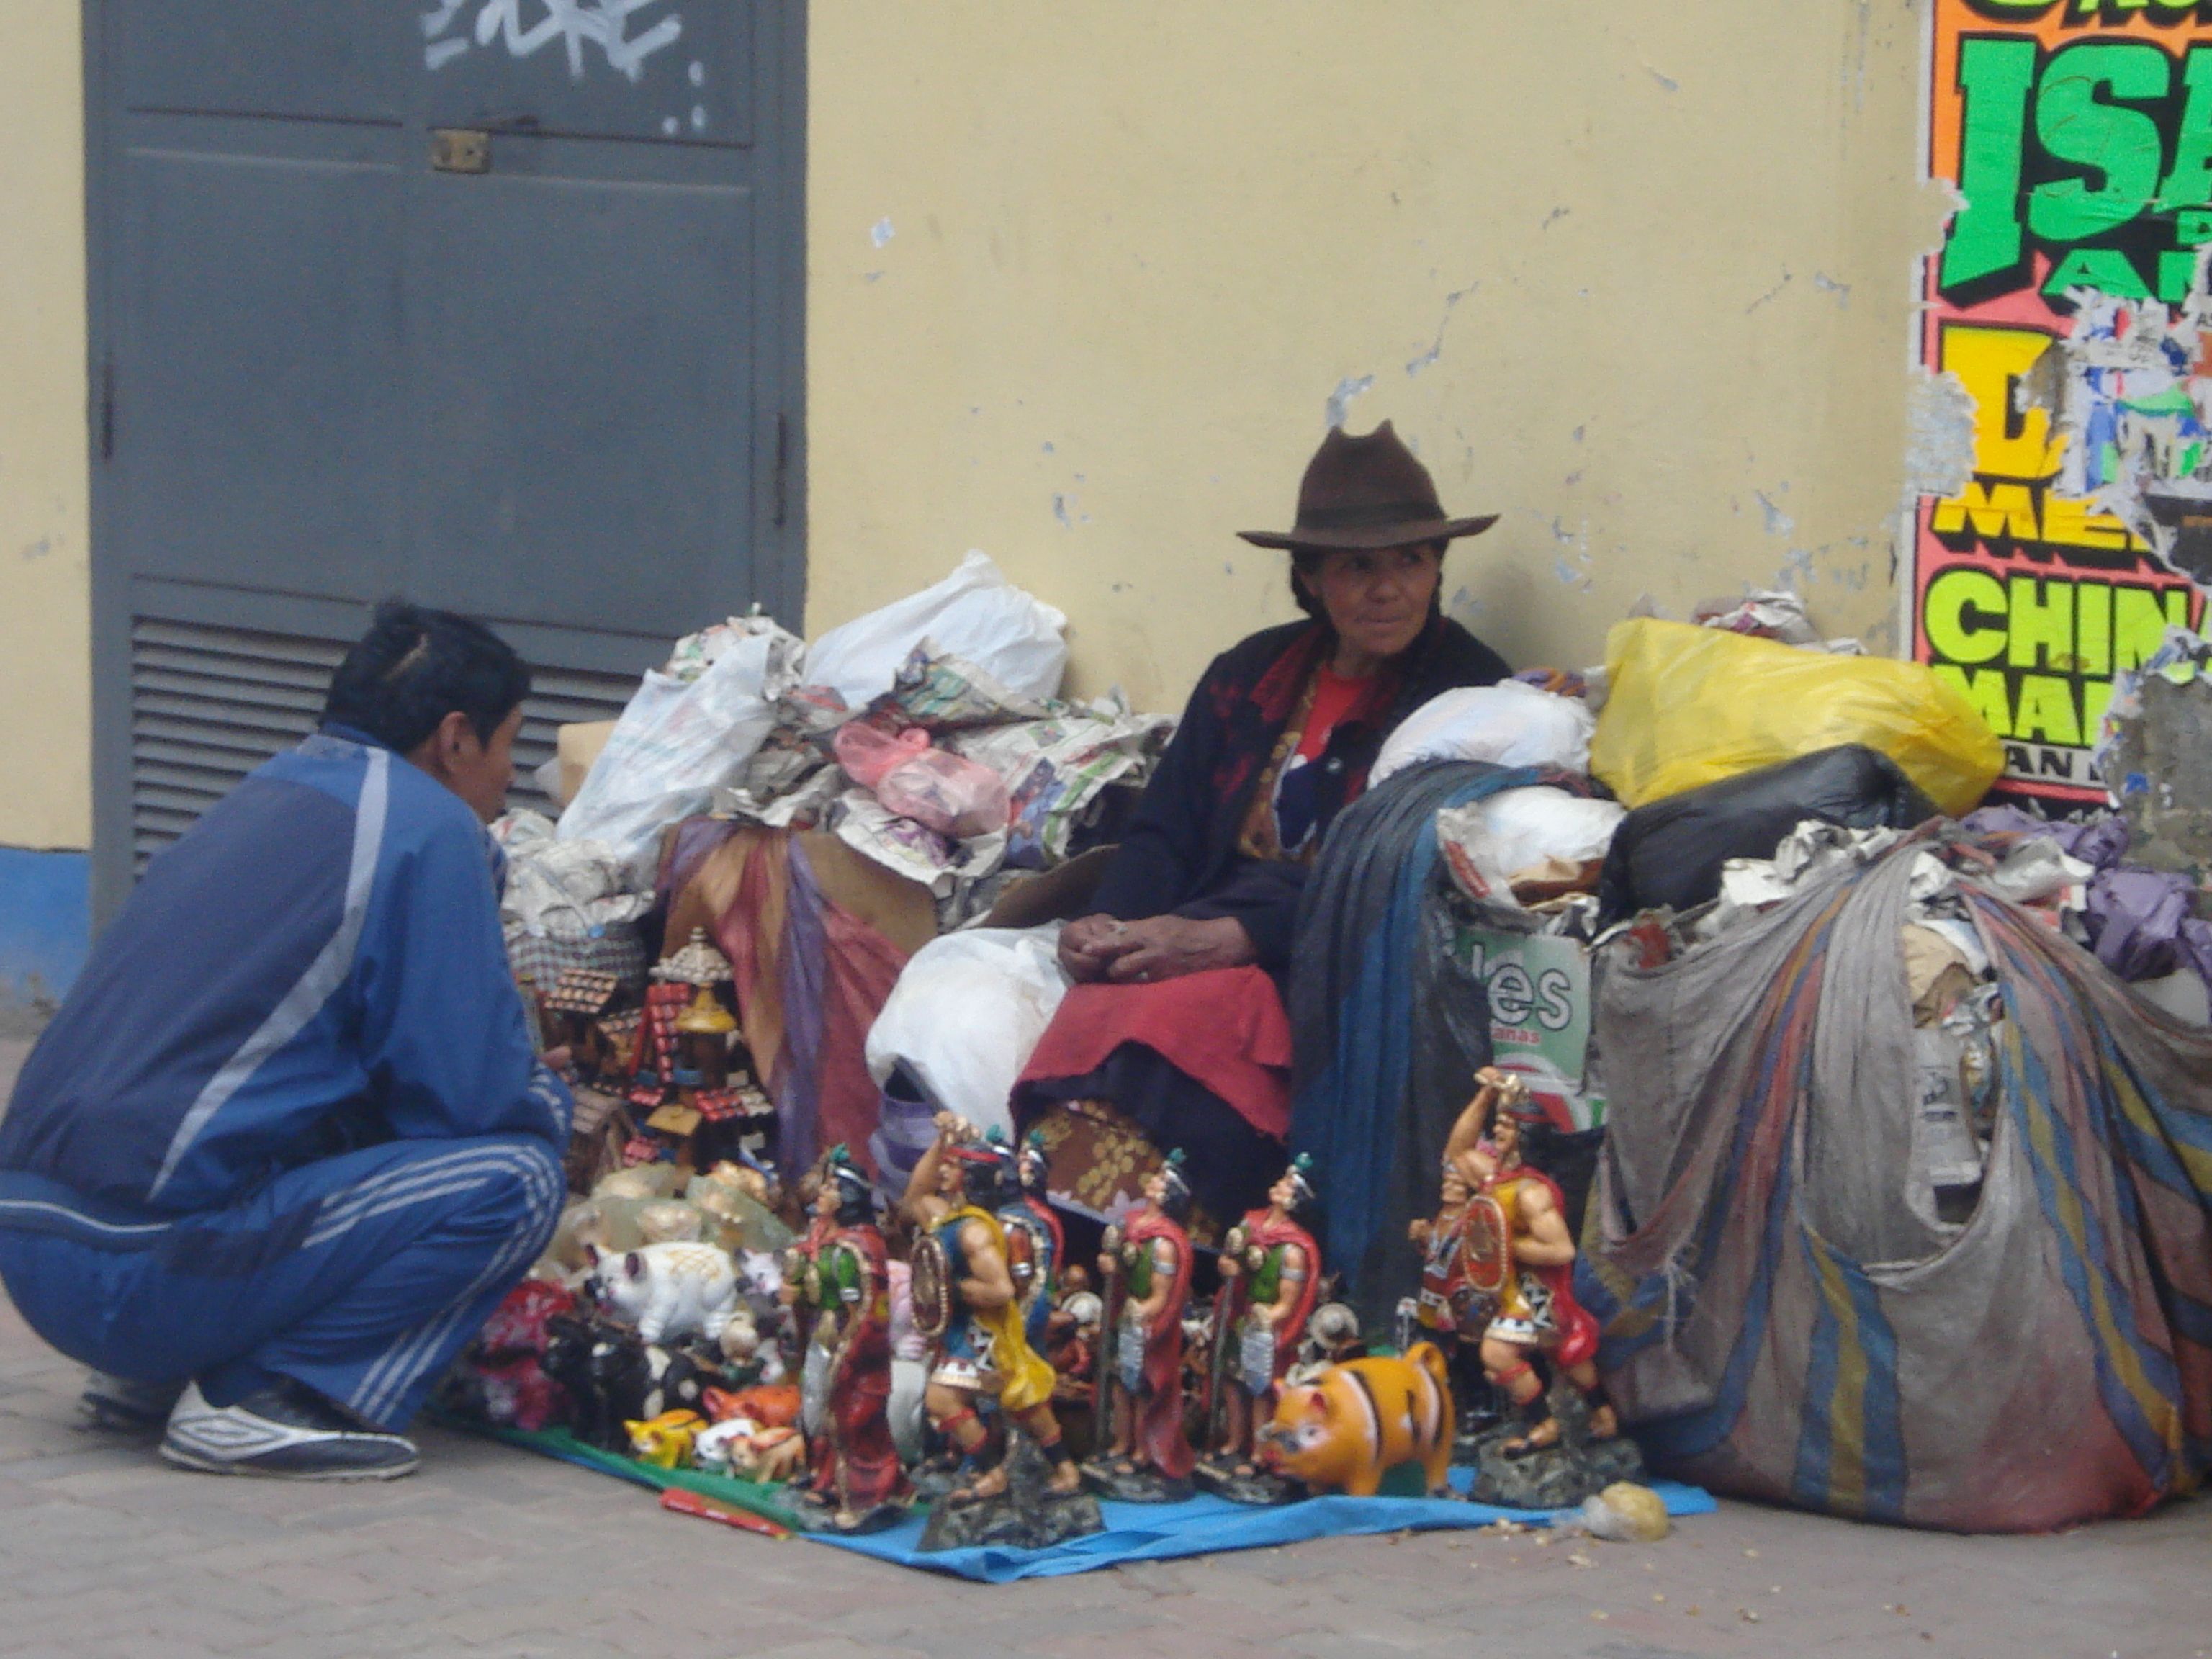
(1365, 493)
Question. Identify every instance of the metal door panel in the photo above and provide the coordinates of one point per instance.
(614, 68)
(561, 409)
(345, 61)
(561, 394)
(254, 397)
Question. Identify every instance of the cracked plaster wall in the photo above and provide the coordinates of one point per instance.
(1087, 280)
(46, 668)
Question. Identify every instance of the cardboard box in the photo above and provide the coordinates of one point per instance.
(576, 747)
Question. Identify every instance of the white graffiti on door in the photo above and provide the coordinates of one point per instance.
(575, 24)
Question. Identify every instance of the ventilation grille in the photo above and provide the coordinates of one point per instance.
(209, 704)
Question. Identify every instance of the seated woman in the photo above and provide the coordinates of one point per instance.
(1175, 1035)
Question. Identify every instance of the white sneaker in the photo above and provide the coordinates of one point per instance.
(119, 1403)
(288, 1432)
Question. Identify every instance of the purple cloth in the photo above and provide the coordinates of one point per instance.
(2139, 919)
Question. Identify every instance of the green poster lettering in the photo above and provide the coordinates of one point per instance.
(1993, 78)
(1984, 688)
(2119, 144)
(2177, 274)
(2041, 615)
(2188, 183)
(1953, 614)
(2047, 714)
(2093, 627)
(2103, 268)
(2139, 618)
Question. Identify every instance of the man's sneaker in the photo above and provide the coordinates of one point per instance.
(119, 1403)
(288, 1432)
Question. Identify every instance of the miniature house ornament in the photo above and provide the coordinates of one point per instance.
(703, 1029)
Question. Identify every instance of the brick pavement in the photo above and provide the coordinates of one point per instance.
(104, 1550)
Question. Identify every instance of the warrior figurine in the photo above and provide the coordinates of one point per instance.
(858, 1483)
(1143, 1455)
(1516, 1260)
(964, 1298)
(1270, 1274)
(1035, 1246)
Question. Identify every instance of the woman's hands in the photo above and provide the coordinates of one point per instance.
(1159, 947)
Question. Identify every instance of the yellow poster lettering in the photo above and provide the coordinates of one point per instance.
(2046, 710)
(2070, 523)
(1990, 361)
(2042, 635)
(1994, 510)
(1964, 615)
(1984, 688)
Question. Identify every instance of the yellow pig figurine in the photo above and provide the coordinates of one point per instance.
(1356, 1421)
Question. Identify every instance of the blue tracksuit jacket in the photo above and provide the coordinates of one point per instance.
(316, 966)
(289, 1118)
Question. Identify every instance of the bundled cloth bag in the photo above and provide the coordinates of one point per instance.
(1781, 1322)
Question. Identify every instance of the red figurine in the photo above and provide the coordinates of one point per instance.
(1143, 1454)
(858, 1483)
(1270, 1274)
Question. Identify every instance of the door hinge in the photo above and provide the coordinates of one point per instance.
(783, 470)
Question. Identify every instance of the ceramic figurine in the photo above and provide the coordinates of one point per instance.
(964, 1301)
(1354, 1423)
(1036, 1245)
(775, 1405)
(603, 1375)
(857, 1482)
(703, 1029)
(579, 999)
(669, 1290)
(1143, 1454)
(500, 1378)
(664, 1441)
(1270, 1277)
(1519, 1264)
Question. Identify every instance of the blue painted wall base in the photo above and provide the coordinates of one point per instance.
(46, 929)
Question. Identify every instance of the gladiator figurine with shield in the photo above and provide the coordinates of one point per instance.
(1143, 1455)
(965, 1302)
(1270, 1274)
(1035, 1244)
(1504, 1261)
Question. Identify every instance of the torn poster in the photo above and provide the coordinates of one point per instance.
(2067, 315)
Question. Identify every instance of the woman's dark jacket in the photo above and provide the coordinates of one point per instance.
(1180, 854)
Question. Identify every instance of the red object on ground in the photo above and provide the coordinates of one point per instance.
(1226, 1028)
(682, 1502)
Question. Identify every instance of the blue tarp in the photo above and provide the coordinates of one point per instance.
(1205, 1525)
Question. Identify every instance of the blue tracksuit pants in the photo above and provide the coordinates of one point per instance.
(360, 1276)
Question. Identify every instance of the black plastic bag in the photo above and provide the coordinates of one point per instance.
(1670, 853)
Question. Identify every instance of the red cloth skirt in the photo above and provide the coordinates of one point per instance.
(1226, 1028)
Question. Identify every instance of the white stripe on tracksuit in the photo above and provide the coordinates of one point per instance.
(388, 1378)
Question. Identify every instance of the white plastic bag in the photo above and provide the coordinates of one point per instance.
(676, 742)
(1497, 838)
(975, 613)
(1509, 723)
(966, 1014)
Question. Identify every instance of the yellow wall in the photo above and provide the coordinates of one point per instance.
(1084, 277)
(45, 694)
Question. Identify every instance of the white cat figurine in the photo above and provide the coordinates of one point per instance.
(669, 1290)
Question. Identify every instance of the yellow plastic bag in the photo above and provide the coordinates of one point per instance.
(1688, 707)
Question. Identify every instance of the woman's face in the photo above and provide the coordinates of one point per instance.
(1377, 601)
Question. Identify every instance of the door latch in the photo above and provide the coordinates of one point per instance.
(460, 149)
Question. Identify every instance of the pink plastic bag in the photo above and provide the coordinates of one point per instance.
(867, 752)
(952, 796)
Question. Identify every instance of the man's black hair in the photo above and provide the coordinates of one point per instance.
(415, 666)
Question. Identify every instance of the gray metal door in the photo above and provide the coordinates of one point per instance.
(495, 303)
